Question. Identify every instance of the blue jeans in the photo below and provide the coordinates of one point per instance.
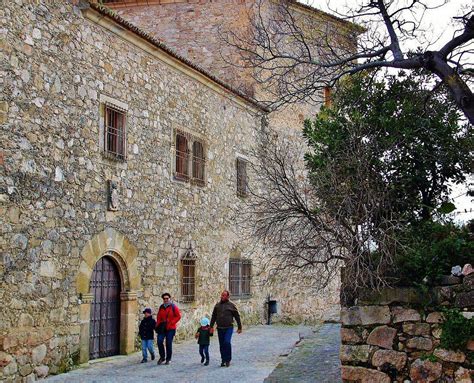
(204, 351)
(168, 335)
(147, 344)
(225, 336)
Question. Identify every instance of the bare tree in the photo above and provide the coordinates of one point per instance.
(294, 55)
(301, 235)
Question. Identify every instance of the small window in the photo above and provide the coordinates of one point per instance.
(240, 277)
(199, 161)
(188, 279)
(114, 140)
(327, 96)
(242, 189)
(181, 156)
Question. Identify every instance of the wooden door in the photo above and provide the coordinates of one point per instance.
(105, 310)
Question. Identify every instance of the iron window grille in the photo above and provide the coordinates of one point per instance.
(188, 280)
(240, 277)
(114, 133)
(242, 182)
(190, 158)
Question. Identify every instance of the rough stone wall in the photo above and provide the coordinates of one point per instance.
(194, 29)
(53, 182)
(394, 336)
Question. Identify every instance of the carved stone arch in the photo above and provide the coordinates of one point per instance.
(115, 245)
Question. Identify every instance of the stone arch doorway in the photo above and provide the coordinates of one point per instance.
(105, 287)
(116, 248)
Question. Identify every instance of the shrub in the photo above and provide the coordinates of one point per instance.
(456, 330)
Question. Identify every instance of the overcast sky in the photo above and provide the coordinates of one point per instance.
(439, 25)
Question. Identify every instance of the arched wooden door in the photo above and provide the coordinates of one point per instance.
(105, 287)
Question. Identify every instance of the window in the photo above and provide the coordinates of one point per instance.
(240, 276)
(327, 96)
(190, 158)
(181, 157)
(242, 189)
(198, 162)
(114, 133)
(188, 279)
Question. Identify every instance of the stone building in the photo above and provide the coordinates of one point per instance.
(123, 165)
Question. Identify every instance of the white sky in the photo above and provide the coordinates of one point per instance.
(439, 25)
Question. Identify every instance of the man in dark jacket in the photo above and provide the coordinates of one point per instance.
(224, 314)
(147, 334)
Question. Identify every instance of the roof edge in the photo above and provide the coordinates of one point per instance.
(109, 13)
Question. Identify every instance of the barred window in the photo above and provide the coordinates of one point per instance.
(327, 96)
(181, 156)
(198, 162)
(242, 189)
(114, 140)
(188, 279)
(240, 277)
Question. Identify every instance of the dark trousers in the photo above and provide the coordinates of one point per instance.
(225, 337)
(204, 351)
(168, 335)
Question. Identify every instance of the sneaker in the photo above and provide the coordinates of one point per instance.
(227, 364)
(202, 359)
(144, 361)
(168, 362)
(207, 363)
(223, 364)
(160, 361)
(152, 356)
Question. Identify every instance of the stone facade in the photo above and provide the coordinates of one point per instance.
(394, 336)
(64, 64)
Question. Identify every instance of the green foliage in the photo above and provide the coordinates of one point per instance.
(431, 249)
(410, 147)
(429, 357)
(456, 330)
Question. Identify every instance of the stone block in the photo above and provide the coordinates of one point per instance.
(468, 281)
(349, 336)
(382, 336)
(38, 353)
(423, 371)
(365, 315)
(434, 317)
(41, 371)
(395, 358)
(470, 345)
(463, 375)
(363, 375)
(420, 343)
(351, 353)
(449, 355)
(5, 359)
(25, 370)
(388, 296)
(465, 299)
(416, 328)
(401, 314)
(26, 320)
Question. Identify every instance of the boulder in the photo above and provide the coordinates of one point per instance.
(5, 359)
(363, 375)
(395, 358)
(467, 269)
(434, 317)
(416, 328)
(351, 353)
(382, 336)
(39, 353)
(465, 299)
(401, 314)
(449, 355)
(420, 343)
(423, 371)
(41, 371)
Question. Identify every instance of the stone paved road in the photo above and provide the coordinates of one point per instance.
(256, 353)
(314, 360)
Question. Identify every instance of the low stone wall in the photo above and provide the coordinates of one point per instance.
(394, 335)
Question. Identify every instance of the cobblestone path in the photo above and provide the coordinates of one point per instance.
(256, 352)
(314, 360)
